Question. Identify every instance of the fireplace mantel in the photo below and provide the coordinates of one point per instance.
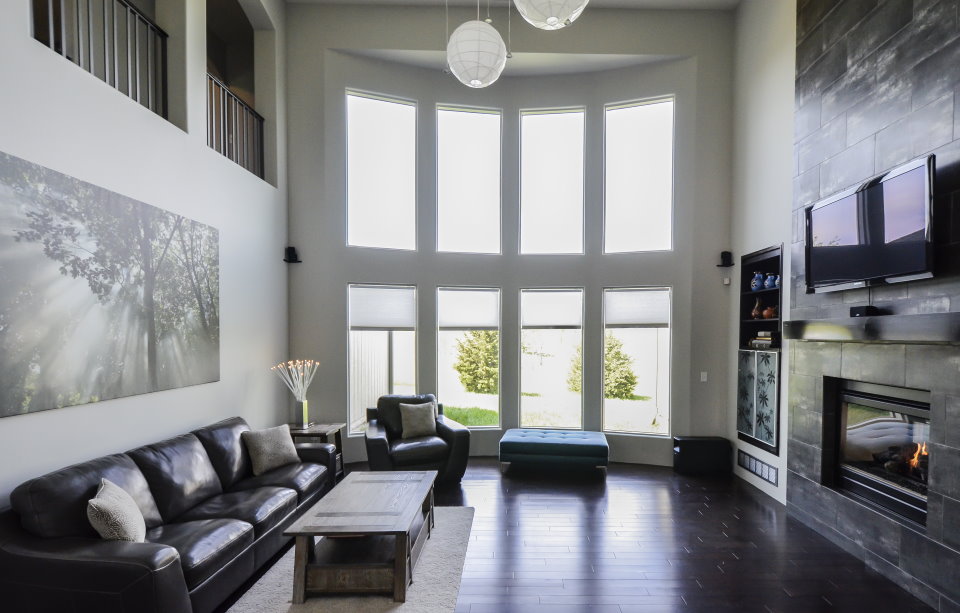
(926, 328)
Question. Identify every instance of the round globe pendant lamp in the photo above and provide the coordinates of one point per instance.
(550, 14)
(476, 54)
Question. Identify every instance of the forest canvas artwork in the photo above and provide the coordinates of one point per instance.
(101, 296)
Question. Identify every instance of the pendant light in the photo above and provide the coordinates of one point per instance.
(550, 14)
(476, 53)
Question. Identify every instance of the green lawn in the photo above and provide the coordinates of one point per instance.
(472, 416)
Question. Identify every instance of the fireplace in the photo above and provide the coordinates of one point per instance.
(882, 447)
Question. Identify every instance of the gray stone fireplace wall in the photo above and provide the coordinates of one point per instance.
(878, 84)
(926, 561)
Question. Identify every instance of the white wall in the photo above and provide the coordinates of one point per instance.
(57, 115)
(762, 178)
(702, 80)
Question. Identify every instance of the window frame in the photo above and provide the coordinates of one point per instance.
(603, 330)
(349, 328)
(361, 93)
(499, 290)
(607, 106)
(583, 314)
(583, 169)
(466, 109)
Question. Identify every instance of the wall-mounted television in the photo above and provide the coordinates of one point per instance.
(875, 233)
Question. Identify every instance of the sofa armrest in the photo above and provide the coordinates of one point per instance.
(378, 447)
(458, 437)
(66, 574)
(320, 453)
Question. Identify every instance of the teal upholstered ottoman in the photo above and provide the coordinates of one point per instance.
(555, 447)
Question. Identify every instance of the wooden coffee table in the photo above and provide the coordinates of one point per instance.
(374, 526)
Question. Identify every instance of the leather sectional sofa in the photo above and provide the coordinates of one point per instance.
(210, 525)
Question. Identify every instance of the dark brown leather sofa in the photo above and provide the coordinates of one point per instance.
(447, 452)
(210, 525)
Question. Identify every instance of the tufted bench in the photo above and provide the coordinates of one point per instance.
(556, 447)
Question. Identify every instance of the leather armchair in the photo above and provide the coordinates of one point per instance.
(447, 452)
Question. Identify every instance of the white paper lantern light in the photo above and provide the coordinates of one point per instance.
(476, 54)
(550, 14)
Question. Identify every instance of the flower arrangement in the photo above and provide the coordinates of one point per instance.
(298, 374)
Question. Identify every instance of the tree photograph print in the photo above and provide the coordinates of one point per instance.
(101, 296)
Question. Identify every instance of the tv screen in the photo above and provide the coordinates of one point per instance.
(877, 231)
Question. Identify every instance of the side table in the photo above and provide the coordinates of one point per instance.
(324, 433)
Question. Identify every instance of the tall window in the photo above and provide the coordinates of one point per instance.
(468, 354)
(382, 345)
(551, 181)
(551, 369)
(468, 180)
(636, 360)
(638, 177)
(381, 172)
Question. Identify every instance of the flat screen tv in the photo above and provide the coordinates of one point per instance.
(875, 233)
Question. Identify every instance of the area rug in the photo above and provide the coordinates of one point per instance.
(436, 578)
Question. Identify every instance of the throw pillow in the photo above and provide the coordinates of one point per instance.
(114, 514)
(270, 448)
(418, 420)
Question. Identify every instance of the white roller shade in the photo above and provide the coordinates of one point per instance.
(551, 308)
(636, 307)
(468, 308)
(383, 307)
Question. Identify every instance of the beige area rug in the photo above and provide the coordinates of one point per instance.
(436, 578)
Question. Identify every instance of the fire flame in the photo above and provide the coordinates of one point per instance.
(915, 460)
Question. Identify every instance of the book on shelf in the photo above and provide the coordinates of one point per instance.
(761, 343)
(765, 334)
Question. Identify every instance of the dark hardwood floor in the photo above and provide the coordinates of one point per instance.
(646, 539)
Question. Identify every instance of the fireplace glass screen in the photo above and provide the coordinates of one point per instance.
(886, 444)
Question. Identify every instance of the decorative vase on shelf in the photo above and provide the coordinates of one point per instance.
(770, 312)
(770, 282)
(777, 283)
(757, 312)
(756, 284)
(297, 375)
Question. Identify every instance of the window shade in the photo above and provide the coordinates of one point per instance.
(551, 308)
(636, 307)
(391, 307)
(461, 308)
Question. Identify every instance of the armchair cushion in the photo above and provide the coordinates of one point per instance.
(270, 448)
(421, 450)
(418, 419)
(205, 546)
(114, 514)
(388, 410)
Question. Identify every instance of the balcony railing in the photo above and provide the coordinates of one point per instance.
(233, 128)
(110, 39)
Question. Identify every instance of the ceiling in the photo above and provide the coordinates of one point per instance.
(619, 4)
(521, 64)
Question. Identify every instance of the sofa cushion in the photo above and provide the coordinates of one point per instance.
(263, 508)
(388, 411)
(205, 546)
(305, 479)
(421, 450)
(270, 448)
(55, 505)
(227, 452)
(179, 473)
(114, 514)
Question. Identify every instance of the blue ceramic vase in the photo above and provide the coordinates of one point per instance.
(771, 281)
(756, 284)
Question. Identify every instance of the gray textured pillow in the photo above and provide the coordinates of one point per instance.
(270, 448)
(114, 514)
(418, 420)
